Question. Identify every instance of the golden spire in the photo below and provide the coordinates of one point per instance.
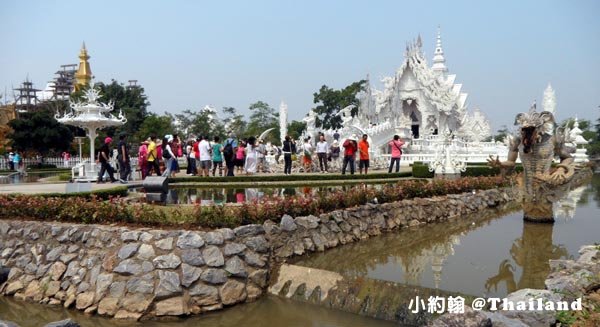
(84, 73)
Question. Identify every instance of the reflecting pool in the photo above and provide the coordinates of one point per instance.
(482, 256)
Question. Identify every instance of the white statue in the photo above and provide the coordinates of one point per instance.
(549, 101)
(283, 111)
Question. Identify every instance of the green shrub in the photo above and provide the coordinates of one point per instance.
(419, 170)
(64, 177)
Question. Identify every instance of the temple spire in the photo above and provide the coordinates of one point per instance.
(439, 62)
(84, 73)
(549, 101)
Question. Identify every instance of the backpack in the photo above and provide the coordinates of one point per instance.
(228, 149)
(166, 154)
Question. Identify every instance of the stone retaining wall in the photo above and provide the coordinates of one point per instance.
(296, 236)
(131, 273)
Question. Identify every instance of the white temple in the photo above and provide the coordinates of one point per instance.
(419, 103)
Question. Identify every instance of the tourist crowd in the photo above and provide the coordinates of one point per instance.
(234, 156)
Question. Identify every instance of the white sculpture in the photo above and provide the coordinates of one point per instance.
(549, 101)
(283, 113)
(91, 115)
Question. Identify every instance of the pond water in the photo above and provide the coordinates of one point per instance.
(29, 178)
(492, 256)
(221, 195)
(266, 312)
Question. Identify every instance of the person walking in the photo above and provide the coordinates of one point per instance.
(153, 159)
(143, 157)
(322, 149)
(350, 148)
(396, 146)
(103, 159)
(123, 159)
(363, 148)
(289, 148)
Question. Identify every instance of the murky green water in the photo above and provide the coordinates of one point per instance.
(269, 311)
(482, 257)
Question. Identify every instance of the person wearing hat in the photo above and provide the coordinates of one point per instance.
(103, 158)
(11, 164)
(123, 159)
(167, 154)
(153, 158)
(261, 151)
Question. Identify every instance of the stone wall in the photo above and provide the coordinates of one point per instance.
(296, 236)
(134, 273)
(130, 273)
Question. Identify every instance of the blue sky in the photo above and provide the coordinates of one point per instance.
(187, 54)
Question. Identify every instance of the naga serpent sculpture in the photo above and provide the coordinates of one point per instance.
(536, 144)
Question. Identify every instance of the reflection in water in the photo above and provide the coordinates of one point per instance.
(491, 253)
(18, 179)
(268, 311)
(406, 256)
(567, 205)
(531, 252)
(220, 195)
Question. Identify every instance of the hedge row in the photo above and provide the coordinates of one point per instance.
(89, 209)
(421, 170)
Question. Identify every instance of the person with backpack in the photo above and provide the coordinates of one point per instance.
(396, 146)
(167, 154)
(229, 149)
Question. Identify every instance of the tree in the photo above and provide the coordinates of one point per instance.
(39, 132)
(234, 122)
(156, 125)
(296, 128)
(204, 122)
(502, 133)
(262, 118)
(330, 102)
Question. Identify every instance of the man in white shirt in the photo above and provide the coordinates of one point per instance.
(205, 156)
(322, 148)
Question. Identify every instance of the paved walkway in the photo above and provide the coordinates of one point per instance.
(61, 187)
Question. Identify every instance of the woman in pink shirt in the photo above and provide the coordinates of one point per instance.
(239, 157)
(396, 145)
